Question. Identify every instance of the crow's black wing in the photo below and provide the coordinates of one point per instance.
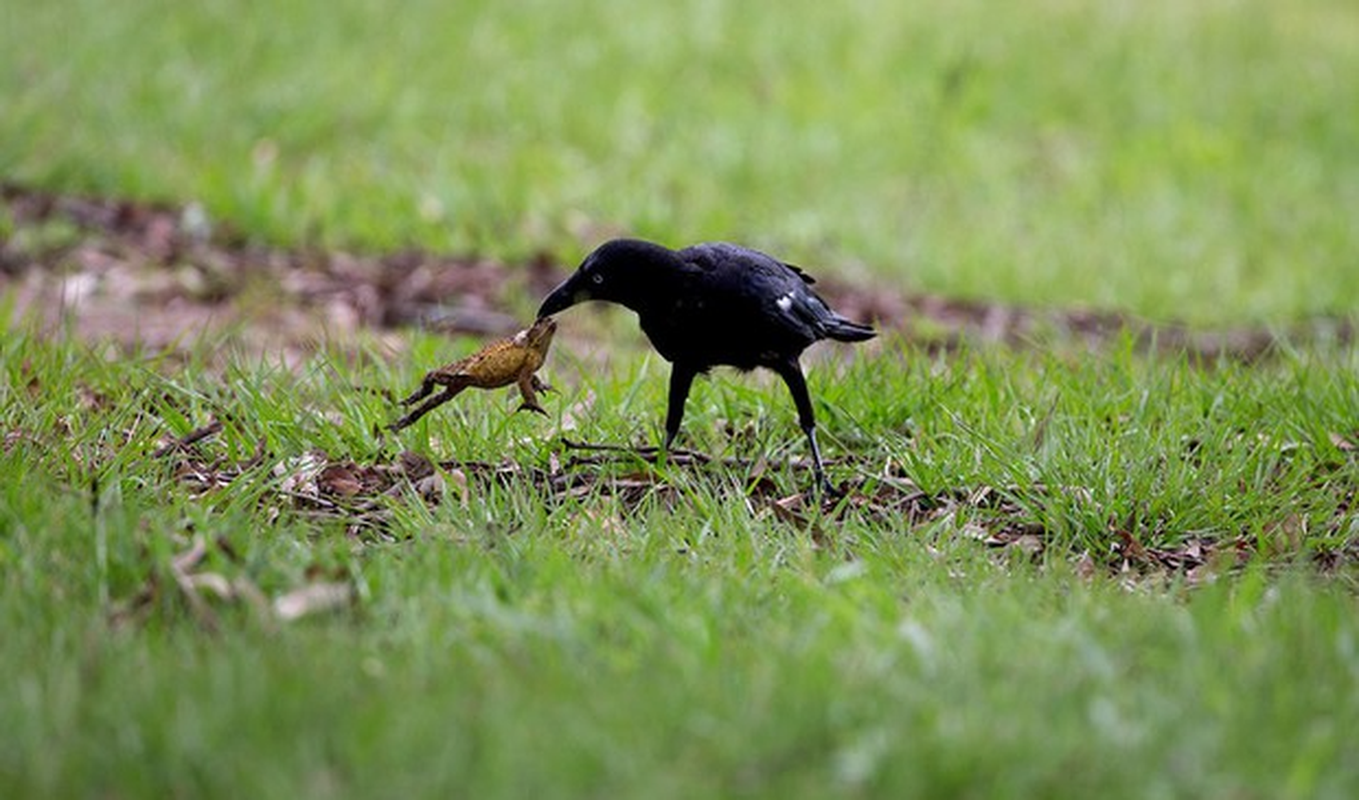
(773, 295)
(726, 304)
(714, 256)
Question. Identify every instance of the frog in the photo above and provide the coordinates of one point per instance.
(512, 360)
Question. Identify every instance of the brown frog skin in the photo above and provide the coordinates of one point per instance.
(500, 363)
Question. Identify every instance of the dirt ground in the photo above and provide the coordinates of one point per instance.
(159, 275)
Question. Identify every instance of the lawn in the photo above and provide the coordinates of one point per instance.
(686, 638)
(1061, 568)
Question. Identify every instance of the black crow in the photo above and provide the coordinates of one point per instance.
(713, 304)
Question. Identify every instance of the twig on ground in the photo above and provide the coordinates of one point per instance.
(189, 439)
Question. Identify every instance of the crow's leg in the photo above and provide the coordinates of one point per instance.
(681, 378)
(791, 373)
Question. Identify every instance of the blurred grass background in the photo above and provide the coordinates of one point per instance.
(1178, 160)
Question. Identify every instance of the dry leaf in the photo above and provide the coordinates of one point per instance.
(312, 599)
(1085, 567)
(299, 473)
(183, 562)
(213, 582)
(414, 465)
(1030, 543)
(339, 480)
(789, 509)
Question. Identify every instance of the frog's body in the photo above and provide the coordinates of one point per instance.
(500, 363)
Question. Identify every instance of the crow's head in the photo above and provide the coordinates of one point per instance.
(629, 272)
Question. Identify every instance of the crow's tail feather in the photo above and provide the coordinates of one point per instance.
(844, 330)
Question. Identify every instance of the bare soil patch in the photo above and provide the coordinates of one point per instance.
(161, 276)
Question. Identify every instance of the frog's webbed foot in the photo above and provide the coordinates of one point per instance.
(527, 406)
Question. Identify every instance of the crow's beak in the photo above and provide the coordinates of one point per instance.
(562, 298)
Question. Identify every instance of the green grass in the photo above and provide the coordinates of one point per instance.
(1178, 160)
(525, 644)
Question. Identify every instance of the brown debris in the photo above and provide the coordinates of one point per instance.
(203, 592)
(188, 440)
(313, 598)
(1345, 444)
(620, 481)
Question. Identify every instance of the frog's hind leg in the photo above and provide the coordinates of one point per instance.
(436, 377)
(426, 386)
(432, 379)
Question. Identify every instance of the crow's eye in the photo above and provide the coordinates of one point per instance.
(597, 278)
